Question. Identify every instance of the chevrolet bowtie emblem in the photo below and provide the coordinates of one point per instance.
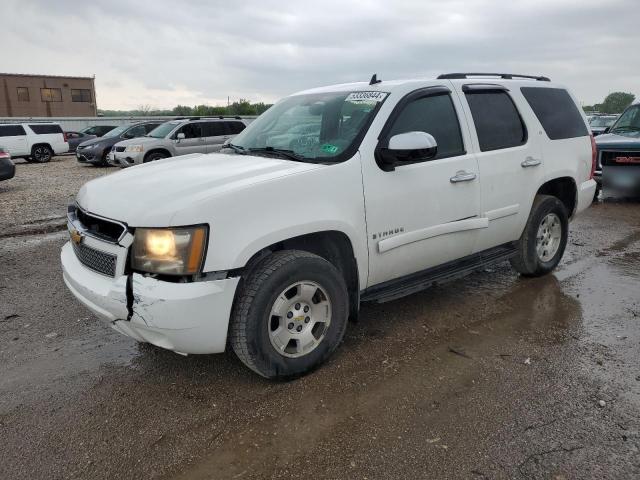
(76, 236)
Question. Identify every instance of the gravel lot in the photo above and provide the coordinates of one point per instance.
(36, 198)
(489, 377)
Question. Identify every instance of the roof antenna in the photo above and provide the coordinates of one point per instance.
(374, 79)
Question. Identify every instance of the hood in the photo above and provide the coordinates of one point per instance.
(109, 141)
(619, 140)
(152, 194)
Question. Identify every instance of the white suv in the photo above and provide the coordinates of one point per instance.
(35, 142)
(389, 188)
(175, 138)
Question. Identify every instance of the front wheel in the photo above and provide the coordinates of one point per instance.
(544, 239)
(153, 156)
(290, 314)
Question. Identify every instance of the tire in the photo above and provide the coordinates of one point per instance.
(284, 281)
(153, 156)
(533, 259)
(41, 154)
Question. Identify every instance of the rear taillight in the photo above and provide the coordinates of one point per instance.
(594, 157)
(4, 155)
(66, 137)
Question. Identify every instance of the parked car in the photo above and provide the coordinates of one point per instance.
(7, 168)
(407, 184)
(76, 138)
(601, 123)
(95, 151)
(35, 142)
(177, 137)
(98, 130)
(618, 165)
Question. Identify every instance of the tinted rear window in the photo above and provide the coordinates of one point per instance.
(11, 130)
(44, 129)
(556, 111)
(497, 120)
(213, 129)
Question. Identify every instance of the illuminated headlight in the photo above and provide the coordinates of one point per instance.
(169, 251)
(134, 148)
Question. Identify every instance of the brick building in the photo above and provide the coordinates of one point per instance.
(46, 96)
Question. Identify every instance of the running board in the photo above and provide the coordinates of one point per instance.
(415, 282)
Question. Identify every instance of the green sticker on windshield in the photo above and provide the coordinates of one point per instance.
(328, 148)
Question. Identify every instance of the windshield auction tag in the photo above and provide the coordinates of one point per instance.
(366, 96)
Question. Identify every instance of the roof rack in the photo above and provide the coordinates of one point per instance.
(506, 76)
(235, 117)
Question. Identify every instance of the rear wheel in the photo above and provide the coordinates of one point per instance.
(544, 239)
(41, 153)
(290, 314)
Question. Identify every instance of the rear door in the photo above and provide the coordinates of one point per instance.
(214, 135)
(193, 141)
(509, 154)
(14, 139)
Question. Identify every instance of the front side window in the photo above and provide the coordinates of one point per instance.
(190, 130)
(80, 95)
(51, 94)
(314, 127)
(629, 121)
(23, 94)
(557, 112)
(497, 120)
(435, 115)
(150, 127)
(135, 132)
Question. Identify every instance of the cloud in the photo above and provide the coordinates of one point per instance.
(162, 53)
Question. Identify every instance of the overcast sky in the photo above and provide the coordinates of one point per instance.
(162, 53)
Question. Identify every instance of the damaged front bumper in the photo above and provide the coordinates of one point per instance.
(184, 317)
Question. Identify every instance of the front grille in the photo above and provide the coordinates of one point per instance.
(100, 227)
(620, 158)
(101, 262)
(120, 149)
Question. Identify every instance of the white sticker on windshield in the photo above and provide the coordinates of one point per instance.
(366, 96)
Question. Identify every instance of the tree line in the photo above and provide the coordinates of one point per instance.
(615, 102)
(240, 107)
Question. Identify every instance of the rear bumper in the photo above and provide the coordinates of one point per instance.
(183, 317)
(7, 169)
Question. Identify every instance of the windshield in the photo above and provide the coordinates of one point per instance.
(116, 131)
(602, 121)
(163, 130)
(629, 120)
(319, 126)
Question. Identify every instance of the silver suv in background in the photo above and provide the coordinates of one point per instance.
(175, 138)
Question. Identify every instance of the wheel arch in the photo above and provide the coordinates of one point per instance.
(332, 245)
(564, 189)
(155, 150)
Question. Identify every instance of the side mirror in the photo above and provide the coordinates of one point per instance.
(180, 136)
(408, 147)
(127, 135)
(606, 130)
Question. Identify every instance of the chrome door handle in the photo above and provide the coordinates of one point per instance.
(462, 176)
(530, 162)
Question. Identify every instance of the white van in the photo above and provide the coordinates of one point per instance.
(35, 142)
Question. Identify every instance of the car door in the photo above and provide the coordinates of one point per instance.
(509, 158)
(14, 139)
(193, 141)
(214, 135)
(423, 213)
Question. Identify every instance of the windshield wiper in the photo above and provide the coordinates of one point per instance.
(290, 154)
(236, 148)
